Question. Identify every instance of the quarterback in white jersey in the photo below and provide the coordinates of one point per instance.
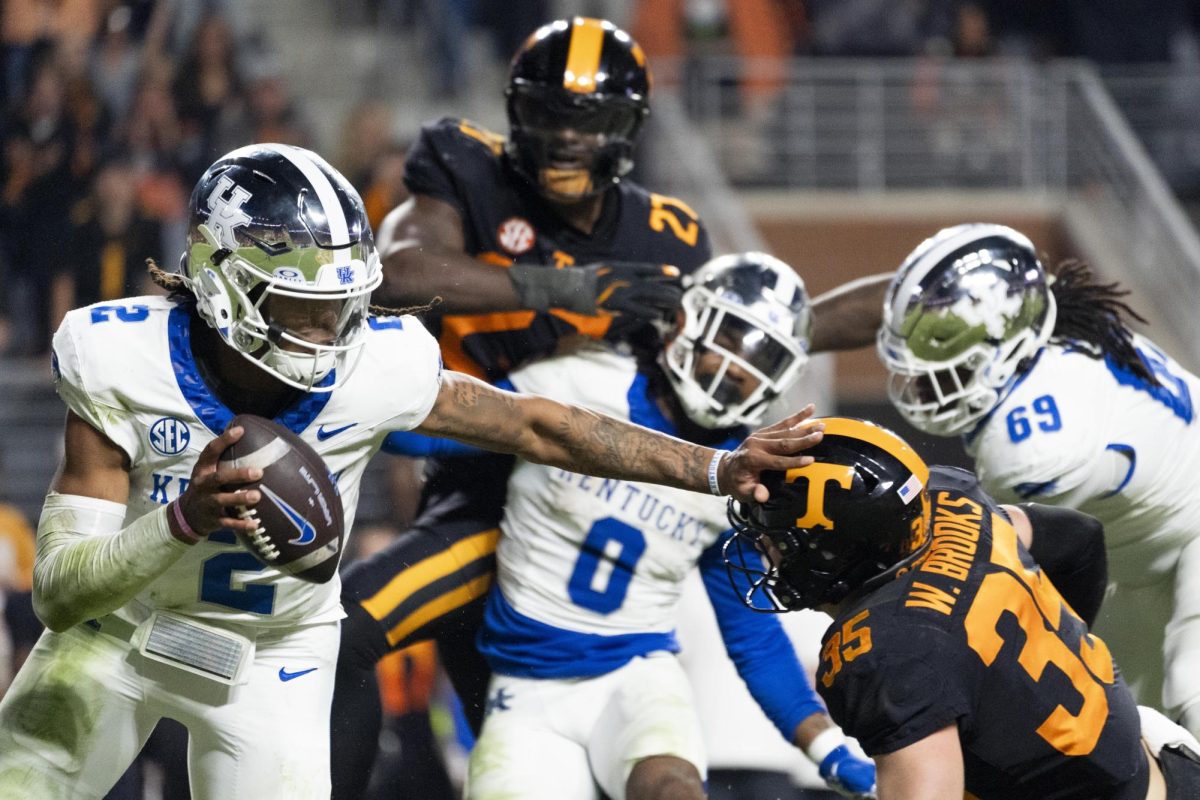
(136, 541)
(1059, 403)
(579, 628)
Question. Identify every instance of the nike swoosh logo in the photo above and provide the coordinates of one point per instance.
(323, 434)
(286, 676)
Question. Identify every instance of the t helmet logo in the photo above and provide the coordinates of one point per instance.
(819, 475)
(225, 213)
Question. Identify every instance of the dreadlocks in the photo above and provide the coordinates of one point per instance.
(1094, 313)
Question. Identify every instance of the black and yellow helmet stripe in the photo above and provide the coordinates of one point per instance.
(583, 55)
(882, 438)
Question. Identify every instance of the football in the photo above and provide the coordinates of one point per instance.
(300, 521)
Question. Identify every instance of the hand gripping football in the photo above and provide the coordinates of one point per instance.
(300, 522)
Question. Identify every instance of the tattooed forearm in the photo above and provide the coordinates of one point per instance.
(607, 447)
(570, 437)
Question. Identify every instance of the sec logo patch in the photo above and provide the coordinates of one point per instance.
(515, 236)
(169, 436)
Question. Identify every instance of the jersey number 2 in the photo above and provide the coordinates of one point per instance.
(216, 580)
(629, 544)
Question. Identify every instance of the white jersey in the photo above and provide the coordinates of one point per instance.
(592, 556)
(1083, 432)
(590, 571)
(128, 370)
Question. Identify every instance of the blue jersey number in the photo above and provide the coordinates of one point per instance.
(216, 580)
(593, 551)
(123, 313)
(1043, 412)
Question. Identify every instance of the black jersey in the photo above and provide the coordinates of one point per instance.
(976, 635)
(505, 221)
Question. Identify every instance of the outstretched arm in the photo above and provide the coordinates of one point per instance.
(548, 432)
(850, 315)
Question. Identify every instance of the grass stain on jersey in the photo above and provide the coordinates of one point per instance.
(58, 711)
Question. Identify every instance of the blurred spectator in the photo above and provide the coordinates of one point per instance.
(760, 32)
(385, 188)
(37, 195)
(367, 133)
(16, 582)
(208, 84)
(268, 112)
(116, 61)
(66, 26)
(108, 243)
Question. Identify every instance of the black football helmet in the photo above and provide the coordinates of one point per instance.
(578, 93)
(845, 524)
(271, 220)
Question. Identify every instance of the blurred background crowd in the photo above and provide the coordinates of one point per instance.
(111, 109)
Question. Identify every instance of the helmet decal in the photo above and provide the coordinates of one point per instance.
(225, 212)
(819, 476)
(854, 519)
(583, 55)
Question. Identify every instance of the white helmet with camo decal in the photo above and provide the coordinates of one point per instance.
(272, 220)
(962, 314)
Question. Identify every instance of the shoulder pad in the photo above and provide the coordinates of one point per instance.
(465, 132)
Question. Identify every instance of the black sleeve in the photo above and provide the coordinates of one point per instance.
(1069, 547)
(427, 166)
(906, 688)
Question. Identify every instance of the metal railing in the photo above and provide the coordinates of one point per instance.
(1051, 130)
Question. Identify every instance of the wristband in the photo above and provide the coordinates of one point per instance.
(824, 743)
(189, 536)
(714, 466)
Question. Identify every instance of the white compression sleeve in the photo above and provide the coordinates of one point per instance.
(88, 565)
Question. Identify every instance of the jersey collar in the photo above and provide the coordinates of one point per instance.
(207, 407)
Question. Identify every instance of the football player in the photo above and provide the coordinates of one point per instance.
(1059, 402)
(579, 627)
(952, 656)
(153, 608)
(528, 241)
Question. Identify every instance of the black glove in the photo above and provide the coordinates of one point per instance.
(631, 288)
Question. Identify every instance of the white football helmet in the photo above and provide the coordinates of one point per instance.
(273, 220)
(746, 311)
(963, 312)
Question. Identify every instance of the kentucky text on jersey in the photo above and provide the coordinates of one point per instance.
(636, 503)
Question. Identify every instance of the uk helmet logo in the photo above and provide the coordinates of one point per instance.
(515, 236)
(225, 213)
(169, 436)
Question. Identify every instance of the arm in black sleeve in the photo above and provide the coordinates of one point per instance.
(1069, 547)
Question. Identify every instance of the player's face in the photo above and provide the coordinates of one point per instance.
(314, 321)
(737, 384)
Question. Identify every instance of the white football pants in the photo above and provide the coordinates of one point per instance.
(84, 703)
